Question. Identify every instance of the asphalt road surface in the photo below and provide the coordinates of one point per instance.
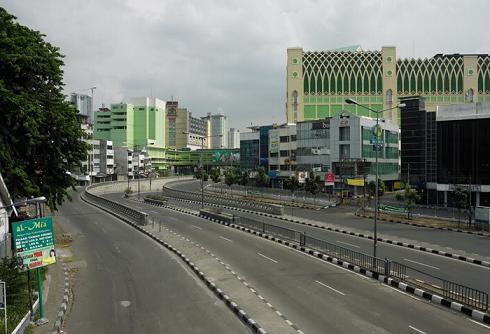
(129, 284)
(479, 246)
(318, 297)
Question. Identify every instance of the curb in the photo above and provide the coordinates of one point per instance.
(428, 226)
(64, 305)
(475, 314)
(241, 314)
(361, 235)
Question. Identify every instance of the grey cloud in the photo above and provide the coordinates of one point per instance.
(231, 55)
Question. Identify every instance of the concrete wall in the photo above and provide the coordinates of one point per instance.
(144, 184)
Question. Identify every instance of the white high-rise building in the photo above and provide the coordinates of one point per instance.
(83, 103)
(234, 138)
(217, 131)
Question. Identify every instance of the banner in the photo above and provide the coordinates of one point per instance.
(355, 182)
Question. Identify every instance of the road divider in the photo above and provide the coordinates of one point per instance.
(454, 256)
(451, 301)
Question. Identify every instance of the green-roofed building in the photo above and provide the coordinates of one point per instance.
(318, 82)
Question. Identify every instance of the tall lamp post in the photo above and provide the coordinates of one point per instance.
(377, 140)
(201, 163)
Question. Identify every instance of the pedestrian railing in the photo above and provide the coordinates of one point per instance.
(359, 259)
(451, 290)
(448, 289)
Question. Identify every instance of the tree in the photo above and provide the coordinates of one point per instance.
(460, 197)
(205, 176)
(230, 177)
(409, 197)
(372, 188)
(40, 139)
(244, 178)
(215, 175)
(199, 173)
(262, 179)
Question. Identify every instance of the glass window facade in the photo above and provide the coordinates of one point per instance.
(249, 154)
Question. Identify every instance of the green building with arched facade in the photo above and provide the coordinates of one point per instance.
(318, 82)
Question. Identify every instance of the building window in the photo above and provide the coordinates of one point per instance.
(389, 97)
(284, 167)
(273, 155)
(273, 167)
(293, 137)
(469, 95)
(344, 151)
(284, 139)
(284, 153)
(344, 133)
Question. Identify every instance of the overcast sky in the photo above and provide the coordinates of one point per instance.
(230, 56)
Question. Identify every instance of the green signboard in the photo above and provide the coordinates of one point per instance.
(391, 208)
(33, 242)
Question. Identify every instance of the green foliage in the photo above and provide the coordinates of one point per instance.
(205, 177)
(372, 188)
(40, 139)
(230, 177)
(215, 175)
(244, 178)
(409, 197)
(313, 184)
(262, 179)
(198, 174)
(291, 183)
(460, 197)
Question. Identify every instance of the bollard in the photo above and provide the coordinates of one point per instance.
(153, 222)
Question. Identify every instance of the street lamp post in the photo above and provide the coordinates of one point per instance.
(376, 196)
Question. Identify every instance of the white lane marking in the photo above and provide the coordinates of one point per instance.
(348, 244)
(200, 228)
(422, 264)
(268, 258)
(476, 322)
(225, 238)
(329, 287)
(417, 330)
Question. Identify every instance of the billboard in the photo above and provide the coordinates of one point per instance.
(225, 156)
(33, 242)
(320, 125)
(355, 182)
(302, 176)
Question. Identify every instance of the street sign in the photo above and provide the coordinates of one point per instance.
(34, 243)
(329, 179)
(378, 148)
(376, 141)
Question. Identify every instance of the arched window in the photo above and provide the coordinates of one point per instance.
(469, 95)
(295, 106)
(389, 98)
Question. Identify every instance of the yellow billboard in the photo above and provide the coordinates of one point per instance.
(355, 182)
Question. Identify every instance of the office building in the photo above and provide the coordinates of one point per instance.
(447, 149)
(318, 82)
(313, 146)
(233, 138)
(99, 163)
(137, 124)
(254, 147)
(217, 130)
(83, 103)
(282, 150)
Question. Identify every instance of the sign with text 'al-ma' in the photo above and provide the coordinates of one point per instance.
(33, 242)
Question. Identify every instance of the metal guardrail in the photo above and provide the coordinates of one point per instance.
(267, 208)
(135, 216)
(448, 289)
(359, 259)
